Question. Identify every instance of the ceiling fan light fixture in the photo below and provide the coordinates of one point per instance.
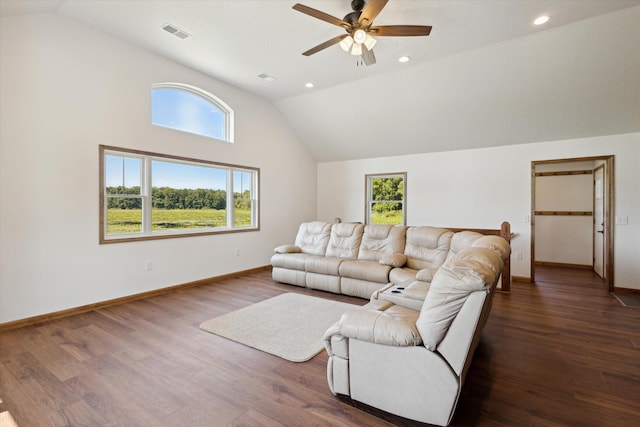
(369, 42)
(346, 43)
(359, 36)
(358, 39)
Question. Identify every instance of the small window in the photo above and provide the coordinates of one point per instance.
(386, 198)
(189, 109)
(149, 196)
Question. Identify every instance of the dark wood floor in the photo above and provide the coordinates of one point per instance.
(561, 351)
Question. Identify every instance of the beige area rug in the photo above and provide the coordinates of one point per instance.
(290, 325)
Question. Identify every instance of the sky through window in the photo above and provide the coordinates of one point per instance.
(188, 112)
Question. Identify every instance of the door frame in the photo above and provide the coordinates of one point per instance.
(608, 212)
(603, 168)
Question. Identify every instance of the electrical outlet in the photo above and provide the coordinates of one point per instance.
(148, 266)
(518, 256)
(526, 219)
(622, 220)
(237, 252)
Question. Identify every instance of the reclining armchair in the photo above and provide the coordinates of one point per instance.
(413, 363)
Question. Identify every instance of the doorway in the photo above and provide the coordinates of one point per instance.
(572, 206)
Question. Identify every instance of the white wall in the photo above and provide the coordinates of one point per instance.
(67, 88)
(481, 188)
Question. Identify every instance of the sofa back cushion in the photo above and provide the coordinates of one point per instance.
(381, 239)
(313, 237)
(427, 247)
(470, 270)
(462, 240)
(495, 243)
(345, 240)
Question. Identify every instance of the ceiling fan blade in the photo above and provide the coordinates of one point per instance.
(367, 56)
(325, 45)
(371, 10)
(321, 15)
(401, 30)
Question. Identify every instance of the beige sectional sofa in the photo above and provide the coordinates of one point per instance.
(359, 260)
(408, 350)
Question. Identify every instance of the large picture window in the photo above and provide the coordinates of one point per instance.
(149, 196)
(386, 198)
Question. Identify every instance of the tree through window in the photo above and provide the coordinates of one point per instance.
(386, 198)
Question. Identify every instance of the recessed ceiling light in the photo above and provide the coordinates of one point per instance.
(309, 85)
(543, 19)
(404, 59)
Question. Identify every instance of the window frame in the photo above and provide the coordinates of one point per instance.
(208, 97)
(146, 185)
(368, 180)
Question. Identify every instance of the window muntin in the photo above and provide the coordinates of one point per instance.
(242, 199)
(148, 195)
(124, 193)
(386, 198)
(190, 109)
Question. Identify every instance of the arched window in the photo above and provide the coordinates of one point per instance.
(190, 109)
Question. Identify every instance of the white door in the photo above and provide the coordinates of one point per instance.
(598, 221)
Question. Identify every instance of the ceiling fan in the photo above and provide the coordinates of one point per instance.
(359, 27)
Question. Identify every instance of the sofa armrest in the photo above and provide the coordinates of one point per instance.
(287, 249)
(393, 260)
(376, 295)
(393, 325)
(426, 274)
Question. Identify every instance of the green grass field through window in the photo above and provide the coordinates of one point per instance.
(387, 217)
(126, 221)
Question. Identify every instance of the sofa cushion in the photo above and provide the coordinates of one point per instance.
(345, 239)
(322, 265)
(495, 243)
(427, 247)
(380, 239)
(471, 270)
(462, 240)
(371, 271)
(399, 276)
(313, 237)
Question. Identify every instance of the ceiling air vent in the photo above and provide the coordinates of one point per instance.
(172, 29)
(266, 77)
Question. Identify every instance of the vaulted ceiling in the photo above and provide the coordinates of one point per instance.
(486, 76)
